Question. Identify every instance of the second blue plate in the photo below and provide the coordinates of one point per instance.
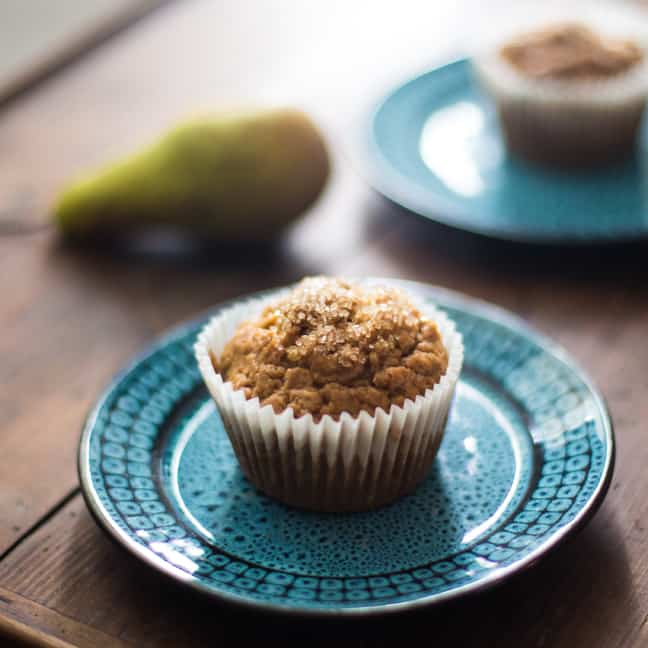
(436, 149)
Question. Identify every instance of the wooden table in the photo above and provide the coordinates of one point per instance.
(70, 318)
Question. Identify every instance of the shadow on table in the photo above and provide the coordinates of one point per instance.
(156, 286)
(579, 592)
(169, 249)
(417, 236)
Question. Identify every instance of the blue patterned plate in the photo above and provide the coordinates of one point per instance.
(526, 459)
(436, 149)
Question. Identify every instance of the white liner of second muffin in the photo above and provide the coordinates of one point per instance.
(257, 432)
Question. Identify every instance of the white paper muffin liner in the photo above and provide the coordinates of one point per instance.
(353, 464)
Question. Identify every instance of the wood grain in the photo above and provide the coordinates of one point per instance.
(69, 318)
(32, 624)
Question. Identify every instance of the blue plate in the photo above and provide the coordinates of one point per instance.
(526, 459)
(436, 149)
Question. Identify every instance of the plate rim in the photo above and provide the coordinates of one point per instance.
(496, 577)
(386, 179)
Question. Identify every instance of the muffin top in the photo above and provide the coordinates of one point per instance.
(570, 51)
(331, 346)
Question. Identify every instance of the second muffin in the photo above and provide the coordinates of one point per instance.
(570, 92)
(334, 395)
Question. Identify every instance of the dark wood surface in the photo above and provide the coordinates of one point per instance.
(70, 318)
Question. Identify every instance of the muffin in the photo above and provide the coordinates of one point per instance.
(570, 93)
(334, 394)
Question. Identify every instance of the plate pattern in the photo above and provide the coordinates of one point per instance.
(130, 467)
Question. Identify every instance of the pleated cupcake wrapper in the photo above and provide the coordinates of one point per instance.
(355, 463)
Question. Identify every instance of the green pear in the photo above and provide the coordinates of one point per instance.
(231, 177)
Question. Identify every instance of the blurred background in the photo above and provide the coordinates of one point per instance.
(333, 60)
(125, 81)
